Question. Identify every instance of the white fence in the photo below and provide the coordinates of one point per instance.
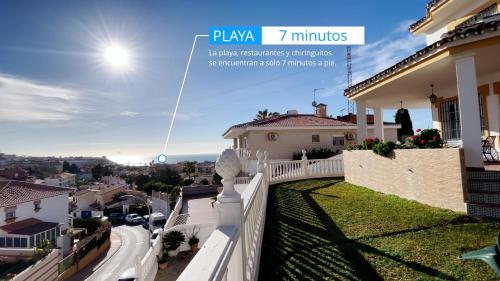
(305, 169)
(232, 251)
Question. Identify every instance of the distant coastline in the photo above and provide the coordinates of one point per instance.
(173, 159)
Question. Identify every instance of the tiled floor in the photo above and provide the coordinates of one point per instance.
(199, 207)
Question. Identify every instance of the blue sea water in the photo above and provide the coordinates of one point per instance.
(135, 160)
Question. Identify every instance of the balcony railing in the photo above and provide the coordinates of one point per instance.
(232, 252)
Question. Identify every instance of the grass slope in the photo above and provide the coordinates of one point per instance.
(327, 229)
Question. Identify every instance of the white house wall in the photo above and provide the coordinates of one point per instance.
(292, 141)
(53, 209)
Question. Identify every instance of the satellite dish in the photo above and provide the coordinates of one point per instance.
(314, 103)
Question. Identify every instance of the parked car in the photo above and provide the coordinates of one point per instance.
(145, 221)
(133, 218)
(128, 275)
(116, 217)
(155, 234)
(157, 220)
(101, 218)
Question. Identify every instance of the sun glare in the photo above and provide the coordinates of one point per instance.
(117, 56)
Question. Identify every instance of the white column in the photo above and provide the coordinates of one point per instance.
(361, 120)
(235, 143)
(469, 111)
(378, 116)
(493, 101)
(436, 123)
(229, 209)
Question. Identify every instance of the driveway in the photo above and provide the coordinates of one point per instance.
(134, 247)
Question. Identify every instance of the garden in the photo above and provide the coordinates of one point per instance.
(327, 229)
(424, 139)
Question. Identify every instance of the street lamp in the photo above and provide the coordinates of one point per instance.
(128, 196)
(432, 97)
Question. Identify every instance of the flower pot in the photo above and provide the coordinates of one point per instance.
(194, 248)
(173, 253)
(163, 265)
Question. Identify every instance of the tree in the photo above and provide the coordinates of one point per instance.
(189, 168)
(263, 114)
(99, 171)
(141, 180)
(164, 174)
(216, 179)
(73, 168)
(403, 117)
(204, 182)
(66, 166)
(157, 186)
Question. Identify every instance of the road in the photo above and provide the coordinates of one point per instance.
(134, 247)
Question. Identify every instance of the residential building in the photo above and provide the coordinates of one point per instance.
(95, 198)
(13, 174)
(285, 134)
(61, 180)
(31, 213)
(457, 78)
(459, 68)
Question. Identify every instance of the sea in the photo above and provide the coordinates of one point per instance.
(137, 160)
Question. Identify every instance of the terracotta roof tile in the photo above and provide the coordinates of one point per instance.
(455, 35)
(15, 192)
(293, 120)
(28, 226)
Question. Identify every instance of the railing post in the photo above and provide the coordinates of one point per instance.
(304, 163)
(266, 167)
(229, 208)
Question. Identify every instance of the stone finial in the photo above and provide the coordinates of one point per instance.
(304, 157)
(228, 164)
(260, 161)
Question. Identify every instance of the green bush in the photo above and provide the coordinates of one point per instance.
(90, 224)
(383, 148)
(427, 138)
(172, 240)
(204, 182)
(321, 153)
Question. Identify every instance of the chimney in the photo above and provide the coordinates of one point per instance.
(292, 112)
(321, 110)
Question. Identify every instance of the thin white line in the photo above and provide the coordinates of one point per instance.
(180, 92)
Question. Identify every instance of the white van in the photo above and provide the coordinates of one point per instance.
(157, 220)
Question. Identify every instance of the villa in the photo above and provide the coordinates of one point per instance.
(285, 134)
(456, 77)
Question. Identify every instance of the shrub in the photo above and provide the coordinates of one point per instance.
(321, 153)
(90, 224)
(204, 182)
(172, 240)
(427, 138)
(384, 148)
(42, 250)
(187, 182)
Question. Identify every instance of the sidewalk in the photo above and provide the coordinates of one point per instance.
(116, 243)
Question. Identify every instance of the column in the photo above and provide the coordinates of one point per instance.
(436, 122)
(378, 116)
(361, 120)
(235, 143)
(469, 111)
(229, 209)
(493, 101)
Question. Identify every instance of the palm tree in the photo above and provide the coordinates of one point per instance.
(261, 115)
(189, 168)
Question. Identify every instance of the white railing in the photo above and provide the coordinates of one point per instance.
(147, 268)
(305, 169)
(242, 180)
(232, 251)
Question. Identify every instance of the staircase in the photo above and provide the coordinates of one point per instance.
(483, 194)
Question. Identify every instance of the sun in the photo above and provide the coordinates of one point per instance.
(117, 56)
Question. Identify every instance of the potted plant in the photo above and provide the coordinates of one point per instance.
(163, 262)
(193, 239)
(171, 242)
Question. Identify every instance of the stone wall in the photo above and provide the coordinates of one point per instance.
(435, 177)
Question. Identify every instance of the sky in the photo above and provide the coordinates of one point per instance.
(58, 97)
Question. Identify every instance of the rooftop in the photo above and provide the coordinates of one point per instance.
(16, 192)
(28, 226)
(450, 39)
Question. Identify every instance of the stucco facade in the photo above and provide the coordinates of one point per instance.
(291, 141)
(435, 177)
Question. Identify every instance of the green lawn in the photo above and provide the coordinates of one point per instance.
(327, 229)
